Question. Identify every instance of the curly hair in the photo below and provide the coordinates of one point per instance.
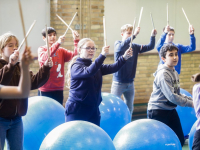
(165, 48)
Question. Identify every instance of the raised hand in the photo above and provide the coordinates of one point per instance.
(75, 35)
(14, 57)
(128, 53)
(154, 32)
(49, 62)
(191, 29)
(105, 50)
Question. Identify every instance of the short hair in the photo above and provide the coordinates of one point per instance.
(126, 27)
(196, 77)
(49, 30)
(165, 48)
(170, 29)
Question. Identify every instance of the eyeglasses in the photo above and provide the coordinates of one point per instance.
(90, 48)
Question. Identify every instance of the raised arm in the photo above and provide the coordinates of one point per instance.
(192, 46)
(161, 41)
(151, 45)
(22, 90)
(168, 91)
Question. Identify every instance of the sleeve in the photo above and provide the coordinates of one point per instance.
(40, 78)
(150, 46)
(121, 45)
(68, 55)
(161, 41)
(6, 73)
(168, 91)
(191, 47)
(112, 68)
(43, 54)
(80, 71)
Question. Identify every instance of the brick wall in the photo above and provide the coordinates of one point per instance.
(147, 63)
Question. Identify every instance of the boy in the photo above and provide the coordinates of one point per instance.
(166, 92)
(123, 79)
(55, 85)
(168, 37)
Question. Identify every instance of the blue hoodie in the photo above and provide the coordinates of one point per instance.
(127, 73)
(86, 79)
(181, 49)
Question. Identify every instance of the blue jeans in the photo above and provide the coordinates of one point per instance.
(11, 130)
(127, 89)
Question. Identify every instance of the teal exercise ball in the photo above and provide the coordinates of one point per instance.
(114, 114)
(146, 134)
(77, 135)
(43, 115)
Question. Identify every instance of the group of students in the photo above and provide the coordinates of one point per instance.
(84, 79)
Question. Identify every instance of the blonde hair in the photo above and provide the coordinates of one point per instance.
(126, 27)
(5, 39)
(80, 44)
(196, 77)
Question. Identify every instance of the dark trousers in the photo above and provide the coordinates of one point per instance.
(196, 141)
(171, 119)
(56, 95)
(78, 111)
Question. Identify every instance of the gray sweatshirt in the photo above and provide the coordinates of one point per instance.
(166, 90)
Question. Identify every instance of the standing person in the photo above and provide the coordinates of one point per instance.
(11, 110)
(168, 37)
(123, 80)
(85, 80)
(55, 85)
(166, 92)
(196, 101)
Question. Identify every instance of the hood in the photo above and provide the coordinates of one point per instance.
(161, 67)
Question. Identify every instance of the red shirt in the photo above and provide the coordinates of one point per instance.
(59, 57)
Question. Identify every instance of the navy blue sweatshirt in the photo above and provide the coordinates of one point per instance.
(127, 73)
(86, 79)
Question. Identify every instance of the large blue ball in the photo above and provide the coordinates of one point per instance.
(191, 135)
(44, 114)
(186, 114)
(77, 135)
(114, 114)
(146, 134)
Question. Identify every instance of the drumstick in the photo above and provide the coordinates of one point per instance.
(140, 16)
(104, 29)
(64, 22)
(26, 35)
(47, 42)
(70, 24)
(152, 21)
(186, 16)
(22, 20)
(167, 15)
(132, 32)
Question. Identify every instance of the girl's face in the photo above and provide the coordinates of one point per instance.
(10, 47)
(87, 51)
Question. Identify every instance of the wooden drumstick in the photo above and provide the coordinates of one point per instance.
(47, 42)
(140, 16)
(186, 16)
(70, 23)
(132, 32)
(104, 29)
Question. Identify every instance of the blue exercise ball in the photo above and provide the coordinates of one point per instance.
(191, 135)
(114, 114)
(146, 134)
(44, 114)
(77, 135)
(186, 114)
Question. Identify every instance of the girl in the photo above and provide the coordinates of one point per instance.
(85, 81)
(11, 127)
(196, 101)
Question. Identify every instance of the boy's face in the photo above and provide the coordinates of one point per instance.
(170, 37)
(171, 58)
(10, 47)
(51, 38)
(126, 34)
